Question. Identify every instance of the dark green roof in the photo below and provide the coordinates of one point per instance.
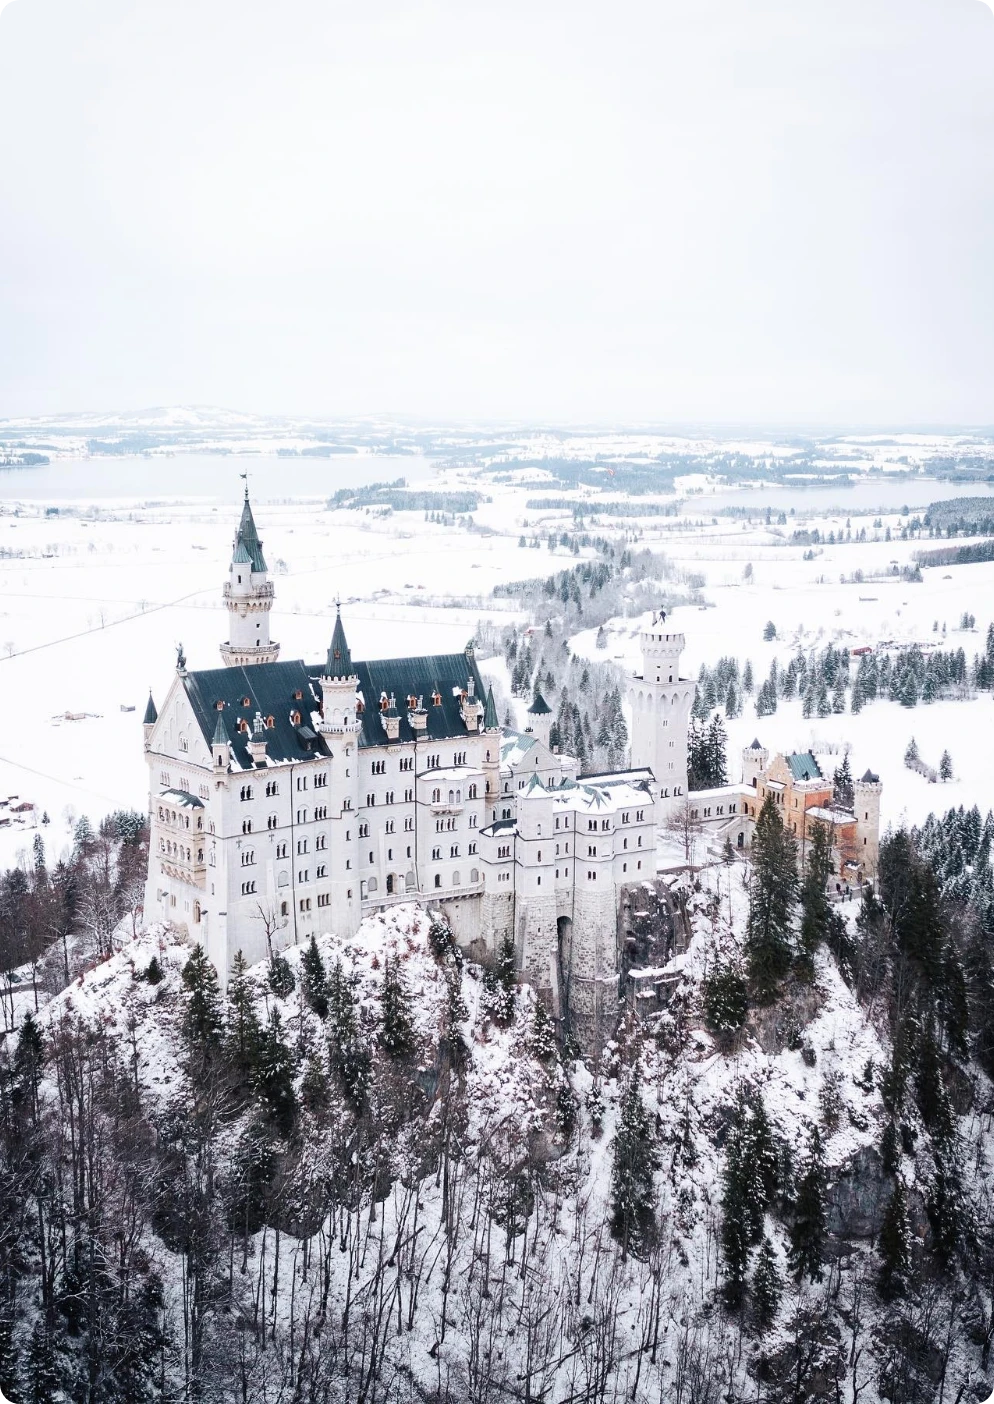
(416, 677)
(269, 688)
(755, 745)
(339, 660)
(220, 734)
(490, 721)
(151, 715)
(869, 778)
(803, 766)
(539, 707)
(247, 540)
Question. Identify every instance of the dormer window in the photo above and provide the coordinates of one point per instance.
(436, 698)
(219, 706)
(270, 723)
(295, 718)
(384, 702)
(246, 701)
(243, 725)
(359, 707)
(298, 696)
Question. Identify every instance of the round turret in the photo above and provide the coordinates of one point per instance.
(755, 759)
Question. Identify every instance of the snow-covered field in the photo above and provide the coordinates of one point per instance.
(96, 598)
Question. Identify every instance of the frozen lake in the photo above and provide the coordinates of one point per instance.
(215, 476)
(872, 496)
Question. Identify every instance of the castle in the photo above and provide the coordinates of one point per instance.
(805, 797)
(289, 799)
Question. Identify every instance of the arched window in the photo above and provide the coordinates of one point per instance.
(436, 796)
(372, 884)
(474, 875)
(455, 879)
(438, 879)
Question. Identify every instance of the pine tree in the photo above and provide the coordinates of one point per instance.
(747, 683)
(725, 1000)
(769, 631)
(8, 1354)
(273, 1075)
(767, 1285)
(894, 1246)
(809, 1231)
(42, 1381)
(542, 1038)
(842, 785)
(281, 980)
(911, 756)
(749, 1183)
(244, 1029)
(633, 1194)
(816, 910)
(945, 767)
(500, 985)
(314, 979)
(202, 1020)
(772, 900)
(397, 1036)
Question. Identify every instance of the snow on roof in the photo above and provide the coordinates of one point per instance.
(182, 798)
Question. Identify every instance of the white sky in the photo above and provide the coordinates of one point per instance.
(726, 209)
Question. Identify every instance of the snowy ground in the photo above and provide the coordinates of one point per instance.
(92, 610)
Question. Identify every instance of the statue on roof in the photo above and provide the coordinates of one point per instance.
(180, 659)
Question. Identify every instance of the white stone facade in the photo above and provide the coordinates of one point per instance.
(288, 799)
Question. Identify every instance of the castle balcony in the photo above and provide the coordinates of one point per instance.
(245, 594)
(192, 872)
(447, 807)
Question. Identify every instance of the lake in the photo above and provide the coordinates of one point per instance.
(213, 476)
(879, 494)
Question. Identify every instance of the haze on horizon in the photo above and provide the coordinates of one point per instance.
(655, 211)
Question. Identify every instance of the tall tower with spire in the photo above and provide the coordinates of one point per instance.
(248, 598)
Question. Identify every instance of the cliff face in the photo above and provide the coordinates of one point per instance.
(368, 1172)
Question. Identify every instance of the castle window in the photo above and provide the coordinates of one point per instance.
(436, 854)
(295, 718)
(370, 801)
(389, 826)
(455, 879)
(438, 879)
(408, 796)
(388, 797)
(364, 830)
(246, 826)
(271, 822)
(272, 788)
(321, 780)
(270, 722)
(538, 882)
(474, 875)
(281, 850)
(384, 702)
(246, 701)
(284, 909)
(243, 726)
(408, 825)
(436, 796)
(436, 698)
(472, 849)
(248, 888)
(324, 899)
(322, 871)
(298, 696)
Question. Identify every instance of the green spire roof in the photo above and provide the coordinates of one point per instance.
(247, 540)
(539, 706)
(220, 732)
(339, 662)
(151, 715)
(490, 722)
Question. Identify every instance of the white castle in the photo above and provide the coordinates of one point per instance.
(289, 799)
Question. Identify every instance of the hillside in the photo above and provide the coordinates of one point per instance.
(368, 1173)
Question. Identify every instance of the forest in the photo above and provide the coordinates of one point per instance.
(370, 1170)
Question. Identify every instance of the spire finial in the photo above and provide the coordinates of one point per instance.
(244, 478)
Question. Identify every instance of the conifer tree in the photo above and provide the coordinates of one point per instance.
(894, 1246)
(809, 1230)
(314, 980)
(397, 1036)
(750, 1180)
(945, 767)
(816, 909)
(633, 1195)
(281, 980)
(725, 999)
(542, 1038)
(243, 1024)
(42, 1377)
(500, 985)
(273, 1074)
(202, 1019)
(842, 784)
(767, 1285)
(772, 900)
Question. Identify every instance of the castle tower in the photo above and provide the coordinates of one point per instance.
(150, 718)
(340, 726)
(661, 701)
(491, 757)
(755, 759)
(540, 718)
(866, 804)
(248, 598)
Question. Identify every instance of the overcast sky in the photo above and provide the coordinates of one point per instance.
(762, 210)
